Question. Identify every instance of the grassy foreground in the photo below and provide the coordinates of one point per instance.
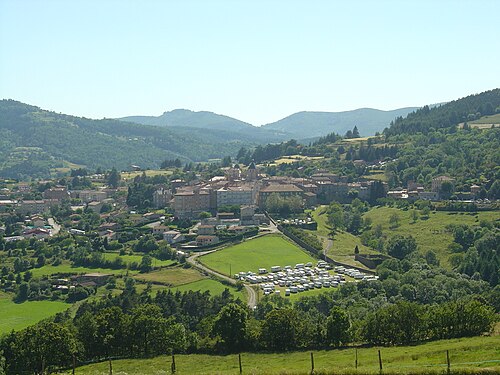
(261, 252)
(465, 354)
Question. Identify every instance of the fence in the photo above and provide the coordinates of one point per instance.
(237, 363)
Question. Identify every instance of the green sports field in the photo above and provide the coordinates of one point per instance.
(261, 252)
(16, 316)
(469, 353)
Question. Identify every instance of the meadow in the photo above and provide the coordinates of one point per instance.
(16, 316)
(67, 268)
(342, 246)
(172, 276)
(468, 353)
(430, 233)
(137, 258)
(261, 252)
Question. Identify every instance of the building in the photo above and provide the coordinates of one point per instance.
(92, 195)
(206, 229)
(189, 204)
(161, 197)
(173, 236)
(236, 195)
(206, 240)
(36, 206)
(252, 172)
(95, 206)
(283, 190)
(160, 229)
(38, 233)
(437, 182)
(58, 193)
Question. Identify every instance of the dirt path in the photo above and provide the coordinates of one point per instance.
(193, 260)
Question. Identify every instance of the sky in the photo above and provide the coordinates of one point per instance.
(257, 61)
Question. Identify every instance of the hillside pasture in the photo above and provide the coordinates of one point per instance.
(137, 258)
(66, 268)
(261, 252)
(173, 276)
(430, 233)
(16, 316)
(467, 354)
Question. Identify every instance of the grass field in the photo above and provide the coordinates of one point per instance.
(468, 353)
(16, 316)
(493, 119)
(342, 248)
(262, 252)
(127, 259)
(171, 276)
(66, 268)
(293, 158)
(430, 234)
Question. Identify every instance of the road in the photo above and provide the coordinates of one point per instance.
(55, 227)
(252, 295)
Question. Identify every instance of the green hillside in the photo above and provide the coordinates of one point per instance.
(465, 354)
(34, 141)
(303, 125)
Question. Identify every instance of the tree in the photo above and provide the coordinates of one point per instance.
(355, 132)
(356, 250)
(230, 326)
(414, 215)
(400, 246)
(446, 190)
(146, 264)
(204, 215)
(280, 329)
(113, 178)
(226, 161)
(337, 326)
(394, 220)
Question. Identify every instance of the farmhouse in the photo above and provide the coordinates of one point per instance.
(207, 240)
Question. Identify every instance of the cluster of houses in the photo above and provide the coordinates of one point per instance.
(34, 226)
(249, 188)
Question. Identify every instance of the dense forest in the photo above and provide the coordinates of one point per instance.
(34, 141)
(427, 119)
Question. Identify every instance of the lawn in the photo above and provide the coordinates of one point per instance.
(468, 353)
(137, 258)
(173, 276)
(66, 268)
(262, 252)
(213, 286)
(16, 316)
(430, 234)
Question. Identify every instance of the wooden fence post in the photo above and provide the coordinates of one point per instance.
(110, 366)
(380, 361)
(448, 361)
(356, 361)
(239, 361)
(172, 367)
(312, 363)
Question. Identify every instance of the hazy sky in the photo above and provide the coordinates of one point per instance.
(257, 61)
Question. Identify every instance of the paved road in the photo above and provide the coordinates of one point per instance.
(252, 296)
(55, 227)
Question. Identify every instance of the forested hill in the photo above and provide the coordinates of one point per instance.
(447, 115)
(303, 125)
(34, 141)
(180, 120)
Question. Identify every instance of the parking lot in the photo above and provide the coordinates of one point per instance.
(301, 278)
